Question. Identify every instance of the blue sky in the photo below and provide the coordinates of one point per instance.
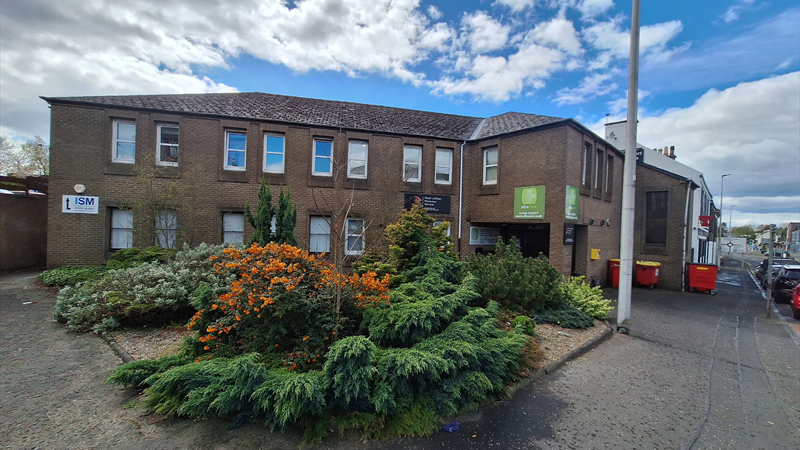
(719, 80)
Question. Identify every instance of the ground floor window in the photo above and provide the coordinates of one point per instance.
(656, 210)
(320, 235)
(232, 228)
(166, 227)
(439, 222)
(354, 244)
(121, 228)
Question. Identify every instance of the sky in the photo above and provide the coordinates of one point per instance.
(718, 80)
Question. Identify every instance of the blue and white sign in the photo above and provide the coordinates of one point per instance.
(80, 204)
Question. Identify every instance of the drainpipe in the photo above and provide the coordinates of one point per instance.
(460, 193)
(685, 230)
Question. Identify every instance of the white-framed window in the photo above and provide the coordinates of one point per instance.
(320, 235)
(124, 142)
(439, 222)
(354, 243)
(609, 173)
(232, 228)
(444, 166)
(166, 226)
(323, 157)
(167, 145)
(490, 165)
(587, 160)
(121, 228)
(598, 169)
(235, 150)
(412, 164)
(274, 149)
(357, 159)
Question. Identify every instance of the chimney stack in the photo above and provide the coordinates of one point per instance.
(672, 152)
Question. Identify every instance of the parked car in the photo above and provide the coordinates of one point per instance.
(777, 263)
(796, 302)
(785, 282)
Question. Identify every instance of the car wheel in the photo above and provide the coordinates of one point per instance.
(796, 314)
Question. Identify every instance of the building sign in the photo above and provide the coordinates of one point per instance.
(439, 204)
(529, 202)
(572, 202)
(640, 154)
(569, 234)
(80, 204)
(483, 236)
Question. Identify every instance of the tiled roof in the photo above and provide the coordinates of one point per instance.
(323, 113)
(512, 121)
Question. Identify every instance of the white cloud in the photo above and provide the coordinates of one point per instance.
(621, 104)
(593, 85)
(751, 130)
(82, 47)
(559, 32)
(484, 34)
(434, 13)
(516, 5)
(614, 42)
(593, 8)
(499, 78)
(732, 13)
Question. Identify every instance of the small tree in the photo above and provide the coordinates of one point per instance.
(406, 236)
(29, 159)
(286, 219)
(262, 220)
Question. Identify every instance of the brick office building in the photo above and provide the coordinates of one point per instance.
(550, 183)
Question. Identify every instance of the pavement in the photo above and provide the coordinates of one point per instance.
(696, 372)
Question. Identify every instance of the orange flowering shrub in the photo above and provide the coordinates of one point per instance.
(283, 301)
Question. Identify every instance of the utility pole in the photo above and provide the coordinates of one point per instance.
(721, 212)
(769, 269)
(730, 231)
(629, 182)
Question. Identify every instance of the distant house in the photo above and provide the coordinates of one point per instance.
(548, 182)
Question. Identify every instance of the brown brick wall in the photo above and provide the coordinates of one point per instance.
(23, 231)
(81, 154)
(551, 157)
(671, 256)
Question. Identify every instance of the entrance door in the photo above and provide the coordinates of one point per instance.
(532, 239)
(580, 250)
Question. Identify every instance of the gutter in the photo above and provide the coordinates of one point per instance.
(685, 231)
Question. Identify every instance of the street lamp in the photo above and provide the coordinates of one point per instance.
(730, 222)
(719, 231)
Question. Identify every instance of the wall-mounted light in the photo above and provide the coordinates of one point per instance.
(591, 221)
(602, 222)
(608, 222)
(79, 188)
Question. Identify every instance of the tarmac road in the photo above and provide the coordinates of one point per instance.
(696, 372)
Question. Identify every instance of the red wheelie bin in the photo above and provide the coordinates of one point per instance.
(648, 273)
(613, 272)
(703, 278)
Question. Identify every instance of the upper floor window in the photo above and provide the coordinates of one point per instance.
(320, 235)
(323, 157)
(235, 150)
(274, 145)
(586, 176)
(490, 165)
(166, 227)
(609, 174)
(121, 228)
(656, 209)
(444, 166)
(124, 141)
(412, 164)
(357, 159)
(598, 170)
(436, 223)
(232, 228)
(167, 145)
(354, 244)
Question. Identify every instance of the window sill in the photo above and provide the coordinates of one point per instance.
(654, 250)
(320, 181)
(119, 169)
(233, 177)
(586, 191)
(488, 189)
(358, 184)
